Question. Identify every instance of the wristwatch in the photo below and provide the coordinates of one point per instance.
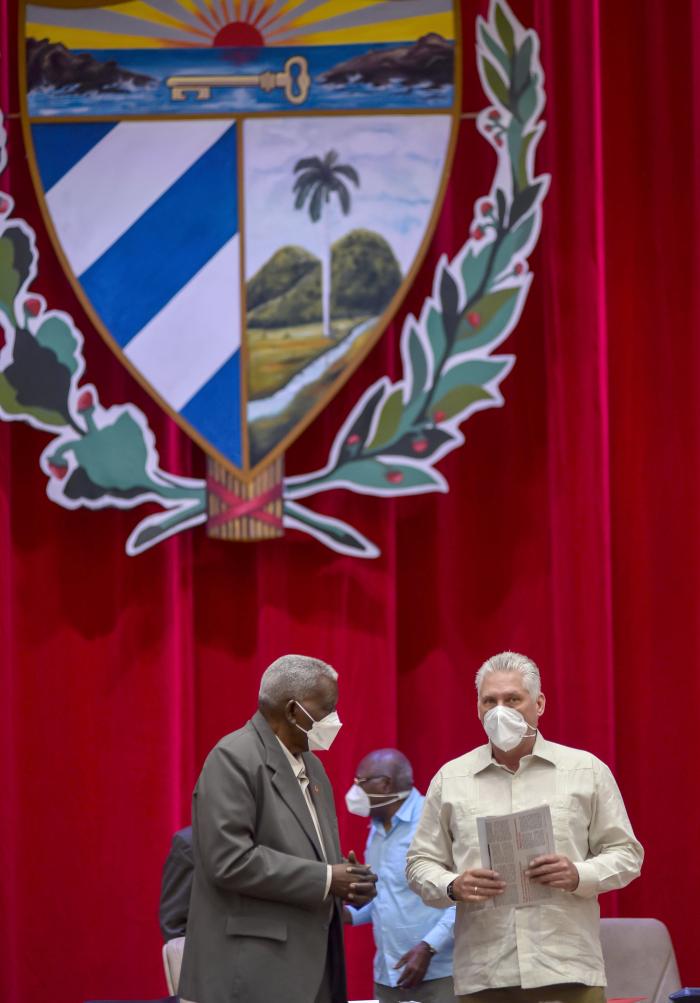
(450, 893)
(430, 947)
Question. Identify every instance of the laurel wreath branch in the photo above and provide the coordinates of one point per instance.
(397, 432)
(98, 457)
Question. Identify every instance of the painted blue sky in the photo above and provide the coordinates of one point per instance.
(399, 158)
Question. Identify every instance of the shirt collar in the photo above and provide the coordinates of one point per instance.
(405, 813)
(545, 750)
(542, 749)
(296, 762)
(408, 808)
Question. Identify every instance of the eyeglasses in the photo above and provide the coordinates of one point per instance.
(365, 780)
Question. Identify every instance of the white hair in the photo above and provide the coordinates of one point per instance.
(511, 661)
(292, 677)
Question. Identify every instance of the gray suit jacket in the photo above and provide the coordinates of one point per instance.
(176, 885)
(259, 927)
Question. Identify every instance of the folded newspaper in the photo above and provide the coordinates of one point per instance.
(508, 844)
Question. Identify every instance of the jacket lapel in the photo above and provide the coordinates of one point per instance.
(325, 808)
(284, 781)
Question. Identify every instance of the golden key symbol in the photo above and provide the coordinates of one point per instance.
(294, 78)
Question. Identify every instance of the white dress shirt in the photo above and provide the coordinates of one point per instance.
(297, 765)
(547, 942)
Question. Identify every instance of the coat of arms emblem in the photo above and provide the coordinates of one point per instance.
(241, 192)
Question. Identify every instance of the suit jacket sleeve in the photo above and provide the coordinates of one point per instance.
(225, 810)
(175, 890)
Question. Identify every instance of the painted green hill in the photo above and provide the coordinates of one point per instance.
(286, 291)
(283, 271)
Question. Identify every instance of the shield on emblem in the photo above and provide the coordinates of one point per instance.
(240, 192)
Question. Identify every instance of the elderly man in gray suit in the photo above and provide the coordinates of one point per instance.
(265, 917)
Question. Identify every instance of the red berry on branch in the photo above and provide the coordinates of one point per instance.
(353, 439)
(439, 416)
(85, 401)
(420, 445)
(494, 115)
(58, 470)
(519, 268)
(4, 205)
(474, 318)
(394, 476)
(33, 306)
(478, 233)
(498, 140)
(486, 206)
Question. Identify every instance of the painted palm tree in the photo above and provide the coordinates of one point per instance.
(317, 181)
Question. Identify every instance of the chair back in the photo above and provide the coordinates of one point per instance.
(639, 959)
(172, 962)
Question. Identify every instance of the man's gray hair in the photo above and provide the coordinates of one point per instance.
(511, 661)
(292, 677)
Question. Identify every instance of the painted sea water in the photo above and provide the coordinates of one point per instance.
(155, 97)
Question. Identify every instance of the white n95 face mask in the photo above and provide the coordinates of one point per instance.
(321, 734)
(359, 802)
(506, 727)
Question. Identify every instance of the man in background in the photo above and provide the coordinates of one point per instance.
(176, 885)
(269, 880)
(413, 959)
(547, 950)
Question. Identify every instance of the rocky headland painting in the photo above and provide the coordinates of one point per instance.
(62, 80)
(429, 62)
(51, 66)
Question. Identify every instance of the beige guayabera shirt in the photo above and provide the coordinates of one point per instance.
(543, 943)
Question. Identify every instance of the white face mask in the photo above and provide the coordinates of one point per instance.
(359, 802)
(506, 727)
(321, 734)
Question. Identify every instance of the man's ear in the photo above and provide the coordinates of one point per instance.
(289, 711)
(541, 701)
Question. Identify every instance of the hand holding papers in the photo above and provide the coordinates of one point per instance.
(508, 844)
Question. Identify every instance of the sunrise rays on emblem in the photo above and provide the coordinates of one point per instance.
(238, 23)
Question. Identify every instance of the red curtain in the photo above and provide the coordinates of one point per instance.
(569, 533)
